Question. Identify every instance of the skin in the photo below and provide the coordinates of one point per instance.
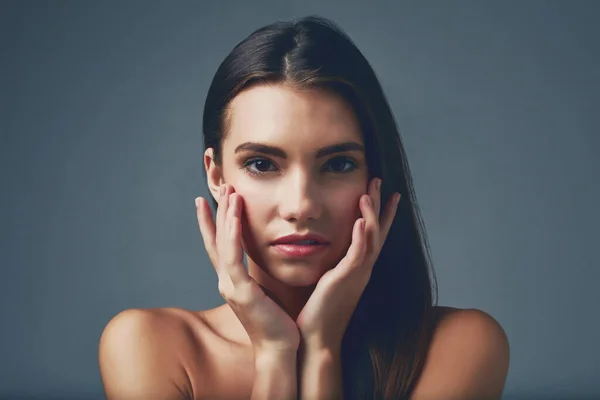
(296, 194)
(210, 354)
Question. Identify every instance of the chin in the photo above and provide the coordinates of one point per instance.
(296, 275)
(293, 272)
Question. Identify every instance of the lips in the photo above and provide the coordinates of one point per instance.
(299, 250)
(308, 238)
(303, 242)
(300, 245)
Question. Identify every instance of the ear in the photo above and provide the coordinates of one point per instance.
(214, 177)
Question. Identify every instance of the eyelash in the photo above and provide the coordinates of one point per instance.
(250, 161)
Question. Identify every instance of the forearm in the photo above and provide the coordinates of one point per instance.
(320, 374)
(275, 376)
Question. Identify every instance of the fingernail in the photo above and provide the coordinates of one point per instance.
(397, 198)
(197, 201)
(378, 184)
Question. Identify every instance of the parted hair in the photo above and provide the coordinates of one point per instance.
(385, 344)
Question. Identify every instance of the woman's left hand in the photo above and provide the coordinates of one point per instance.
(325, 316)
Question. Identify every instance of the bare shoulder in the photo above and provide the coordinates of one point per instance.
(145, 353)
(456, 318)
(468, 356)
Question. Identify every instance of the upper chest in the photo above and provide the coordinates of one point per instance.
(219, 368)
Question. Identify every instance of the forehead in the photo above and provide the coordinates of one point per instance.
(291, 118)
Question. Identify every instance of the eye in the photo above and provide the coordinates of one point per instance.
(338, 164)
(261, 165)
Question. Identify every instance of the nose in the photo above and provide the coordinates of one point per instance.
(300, 198)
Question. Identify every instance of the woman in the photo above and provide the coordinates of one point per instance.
(306, 168)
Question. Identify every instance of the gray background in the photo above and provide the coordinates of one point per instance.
(101, 153)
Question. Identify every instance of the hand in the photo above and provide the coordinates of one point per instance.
(269, 327)
(324, 318)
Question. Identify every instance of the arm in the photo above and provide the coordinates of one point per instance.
(320, 373)
(136, 363)
(275, 375)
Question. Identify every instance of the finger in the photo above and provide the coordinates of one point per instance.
(388, 215)
(371, 222)
(235, 262)
(207, 229)
(375, 193)
(221, 235)
(358, 248)
(221, 207)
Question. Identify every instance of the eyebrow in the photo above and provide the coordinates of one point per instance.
(277, 152)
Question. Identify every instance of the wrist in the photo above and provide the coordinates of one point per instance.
(320, 347)
(266, 356)
(268, 351)
(275, 375)
(319, 353)
(320, 373)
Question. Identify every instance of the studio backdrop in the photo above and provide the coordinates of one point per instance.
(101, 159)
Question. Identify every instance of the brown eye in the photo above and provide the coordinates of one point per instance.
(261, 166)
(342, 164)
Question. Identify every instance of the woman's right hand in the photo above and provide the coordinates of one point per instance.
(269, 327)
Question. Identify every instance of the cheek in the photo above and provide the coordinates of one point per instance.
(345, 207)
(254, 198)
(254, 210)
(255, 201)
(344, 211)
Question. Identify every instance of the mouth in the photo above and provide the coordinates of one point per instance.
(301, 248)
(303, 242)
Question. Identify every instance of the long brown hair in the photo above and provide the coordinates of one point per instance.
(386, 341)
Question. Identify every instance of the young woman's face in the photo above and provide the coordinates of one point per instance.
(296, 190)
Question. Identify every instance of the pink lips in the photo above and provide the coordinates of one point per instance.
(295, 245)
(299, 250)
